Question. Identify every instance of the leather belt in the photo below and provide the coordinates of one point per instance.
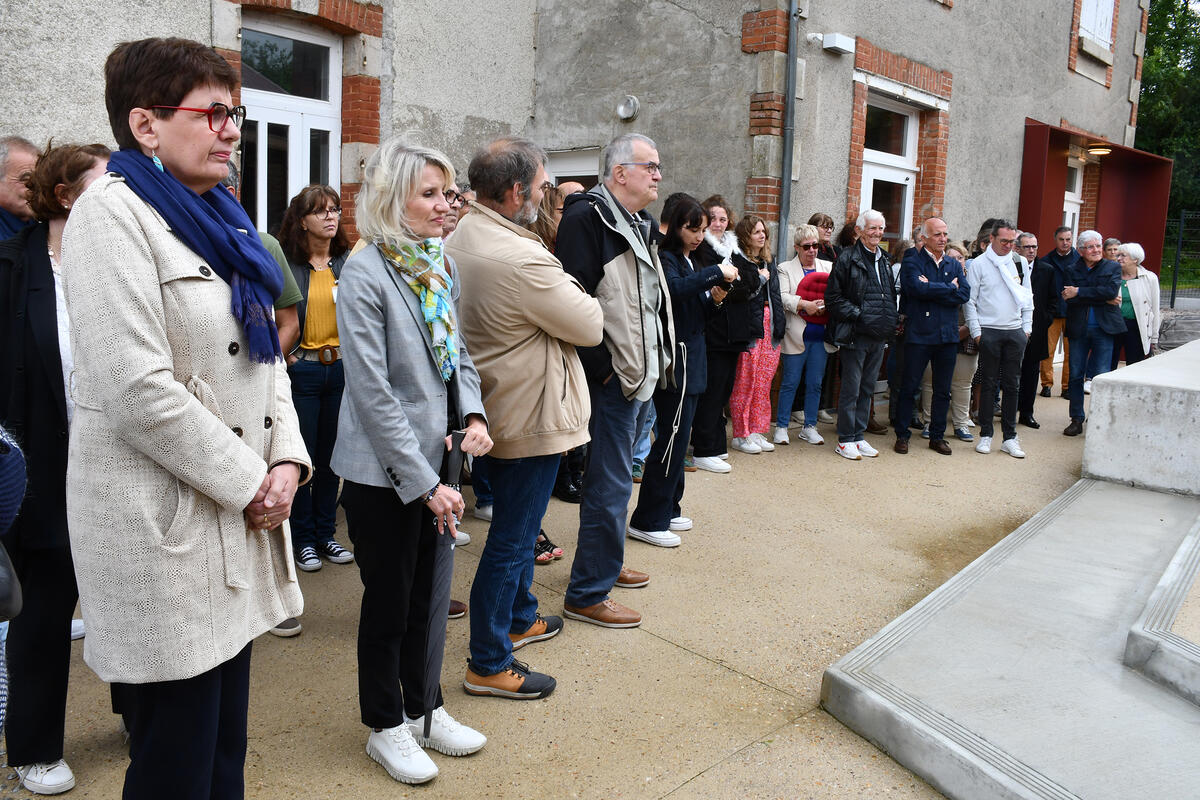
(326, 355)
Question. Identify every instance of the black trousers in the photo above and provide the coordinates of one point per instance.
(394, 547)
(187, 738)
(662, 481)
(708, 429)
(1131, 340)
(1000, 352)
(39, 655)
(1030, 378)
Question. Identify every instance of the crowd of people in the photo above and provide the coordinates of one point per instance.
(193, 400)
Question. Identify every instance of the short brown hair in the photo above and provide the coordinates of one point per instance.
(293, 238)
(821, 220)
(62, 164)
(158, 72)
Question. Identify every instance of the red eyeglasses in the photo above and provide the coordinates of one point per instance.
(218, 115)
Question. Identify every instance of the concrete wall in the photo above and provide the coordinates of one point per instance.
(459, 76)
(681, 59)
(52, 71)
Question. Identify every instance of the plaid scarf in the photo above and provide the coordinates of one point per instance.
(424, 270)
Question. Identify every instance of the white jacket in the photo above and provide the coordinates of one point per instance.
(1144, 294)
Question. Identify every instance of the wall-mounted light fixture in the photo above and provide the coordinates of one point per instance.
(838, 43)
(1098, 149)
(628, 108)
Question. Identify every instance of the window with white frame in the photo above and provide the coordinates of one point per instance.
(890, 163)
(1096, 21)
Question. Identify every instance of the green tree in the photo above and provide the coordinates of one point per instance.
(1169, 107)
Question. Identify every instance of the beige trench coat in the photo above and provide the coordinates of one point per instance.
(173, 433)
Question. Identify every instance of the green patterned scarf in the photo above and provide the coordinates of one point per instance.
(424, 270)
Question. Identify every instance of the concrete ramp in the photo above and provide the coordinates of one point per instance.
(1011, 681)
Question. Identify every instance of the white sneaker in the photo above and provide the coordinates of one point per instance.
(849, 450)
(681, 524)
(1013, 448)
(51, 777)
(809, 434)
(747, 445)
(446, 734)
(762, 442)
(462, 538)
(482, 512)
(398, 752)
(985, 445)
(656, 538)
(865, 449)
(711, 464)
(798, 417)
(77, 629)
(1087, 387)
(780, 437)
(826, 417)
(724, 456)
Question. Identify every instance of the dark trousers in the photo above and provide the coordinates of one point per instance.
(1030, 378)
(662, 480)
(860, 370)
(187, 738)
(1000, 352)
(1131, 340)
(708, 428)
(317, 396)
(39, 655)
(394, 547)
(942, 358)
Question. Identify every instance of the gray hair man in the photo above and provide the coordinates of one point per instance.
(17, 157)
(861, 300)
(999, 315)
(523, 317)
(604, 242)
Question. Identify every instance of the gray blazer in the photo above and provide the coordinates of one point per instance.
(392, 424)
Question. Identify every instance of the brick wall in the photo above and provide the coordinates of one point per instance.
(762, 197)
(1091, 197)
(763, 31)
(766, 114)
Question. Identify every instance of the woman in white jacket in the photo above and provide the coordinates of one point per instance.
(1139, 306)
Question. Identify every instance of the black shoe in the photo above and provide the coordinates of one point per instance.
(568, 491)
(1028, 421)
(1074, 429)
(1064, 394)
(1045, 391)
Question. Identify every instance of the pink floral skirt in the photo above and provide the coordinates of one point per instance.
(750, 403)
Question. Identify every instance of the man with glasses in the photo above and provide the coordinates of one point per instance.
(17, 157)
(1062, 260)
(999, 315)
(1039, 277)
(1092, 292)
(604, 242)
(457, 202)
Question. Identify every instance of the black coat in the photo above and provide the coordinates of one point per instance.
(1097, 286)
(854, 311)
(1046, 299)
(1062, 266)
(33, 404)
(691, 307)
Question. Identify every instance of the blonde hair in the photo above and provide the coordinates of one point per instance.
(392, 174)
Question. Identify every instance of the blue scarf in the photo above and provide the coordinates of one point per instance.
(216, 227)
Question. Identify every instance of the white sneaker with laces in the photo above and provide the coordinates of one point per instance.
(656, 538)
(681, 524)
(51, 777)
(1013, 448)
(849, 450)
(809, 434)
(781, 436)
(985, 445)
(865, 449)
(482, 512)
(446, 734)
(711, 464)
(747, 445)
(398, 752)
(762, 442)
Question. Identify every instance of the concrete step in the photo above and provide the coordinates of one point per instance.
(1009, 681)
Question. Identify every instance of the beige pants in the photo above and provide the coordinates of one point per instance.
(1057, 330)
(960, 392)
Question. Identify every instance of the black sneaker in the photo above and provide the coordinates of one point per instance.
(516, 682)
(334, 553)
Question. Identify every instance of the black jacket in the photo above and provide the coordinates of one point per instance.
(33, 404)
(1046, 298)
(692, 308)
(738, 323)
(302, 273)
(860, 306)
(1061, 265)
(1097, 286)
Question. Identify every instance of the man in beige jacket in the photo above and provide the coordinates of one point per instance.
(523, 317)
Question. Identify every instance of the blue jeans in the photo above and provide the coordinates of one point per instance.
(600, 548)
(501, 600)
(811, 366)
(317, 396)
(481, 483)
(1091, 355)
(641, 448)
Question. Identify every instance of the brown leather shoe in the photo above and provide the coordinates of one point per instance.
(901, 446)
(631, 578)
(606, 614)
(875, 427)
(457, 609)
(940, 446)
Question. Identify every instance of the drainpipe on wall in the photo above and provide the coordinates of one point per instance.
(783, 246)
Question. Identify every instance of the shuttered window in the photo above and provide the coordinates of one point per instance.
(1096, 21)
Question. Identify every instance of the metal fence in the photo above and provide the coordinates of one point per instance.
(1180, 274)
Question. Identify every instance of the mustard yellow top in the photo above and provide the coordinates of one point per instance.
(320, 317)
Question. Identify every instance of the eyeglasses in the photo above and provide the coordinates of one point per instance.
(218, 114)
(454, 198)
(1029, 247)
(327, 213)
(828, 227)
(1006, 241)
(808, 246)
(653, 167)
